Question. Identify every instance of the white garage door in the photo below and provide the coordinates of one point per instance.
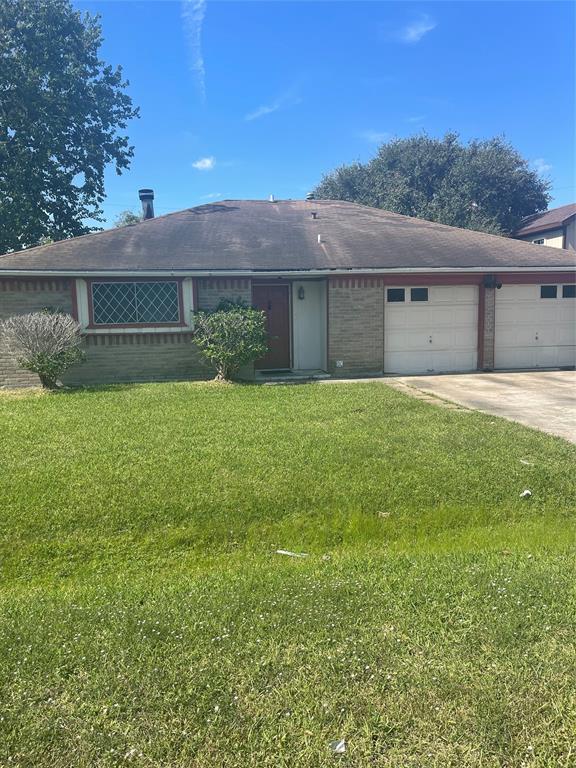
(431, 330)
(535, 326)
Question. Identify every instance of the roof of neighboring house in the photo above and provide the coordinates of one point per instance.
(552, 219)
(254, 235)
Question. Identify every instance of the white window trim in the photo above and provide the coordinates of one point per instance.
(559, 291)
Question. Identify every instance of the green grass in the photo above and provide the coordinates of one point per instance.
(146, 619)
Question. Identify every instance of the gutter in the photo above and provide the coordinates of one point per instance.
(278, 273)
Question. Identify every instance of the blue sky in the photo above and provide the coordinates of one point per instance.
(248, 99)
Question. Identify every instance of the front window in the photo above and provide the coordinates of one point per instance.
(138, 303)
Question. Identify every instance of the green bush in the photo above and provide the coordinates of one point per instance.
(231, 336)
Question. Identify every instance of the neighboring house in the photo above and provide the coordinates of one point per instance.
(347, 289)
(556, 228)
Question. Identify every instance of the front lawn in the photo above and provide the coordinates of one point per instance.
(147, 619)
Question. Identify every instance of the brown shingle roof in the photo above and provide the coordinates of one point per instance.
(552, 219)
(255, 235)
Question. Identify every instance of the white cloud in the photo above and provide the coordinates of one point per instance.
(204, 163)
(211, 196)
(374, 137)
(288, 99)
(415, 118)
(415, 31)
(193, 12)
(540, 166)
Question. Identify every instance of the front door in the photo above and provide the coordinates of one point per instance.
(274, 300)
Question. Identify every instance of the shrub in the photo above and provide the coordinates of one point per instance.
(231, 336)
(46, 343)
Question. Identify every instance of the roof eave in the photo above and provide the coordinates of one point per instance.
(283, 272)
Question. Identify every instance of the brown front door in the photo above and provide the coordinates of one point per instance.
(275, 301)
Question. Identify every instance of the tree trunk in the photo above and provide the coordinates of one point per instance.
(47, 382)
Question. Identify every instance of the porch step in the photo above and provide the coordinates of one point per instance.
(286, 377)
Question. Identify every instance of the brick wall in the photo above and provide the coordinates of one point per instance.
(138, 357)
(489, 327)
(356, 326)
(19, 297)
(116, 357)
(211, 291)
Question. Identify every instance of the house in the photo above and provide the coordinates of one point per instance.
(347, 289)
(556, 228)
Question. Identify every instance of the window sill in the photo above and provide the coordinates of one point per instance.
(121, 329)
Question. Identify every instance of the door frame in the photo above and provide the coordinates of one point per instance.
(284, 284)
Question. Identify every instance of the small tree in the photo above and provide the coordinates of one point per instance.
(126, 218)
(231, 336)
(46, 343)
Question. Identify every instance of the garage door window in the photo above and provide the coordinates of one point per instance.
(418, 294)
(569, 291)
(395, 294)
(548, 291)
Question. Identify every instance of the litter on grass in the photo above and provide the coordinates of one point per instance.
(338, 746)
(291, 554)
(526, 494)
(528, 463)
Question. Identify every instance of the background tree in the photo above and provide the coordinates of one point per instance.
(483, 185)
(62, 111)
(230, 337)
(126, 218)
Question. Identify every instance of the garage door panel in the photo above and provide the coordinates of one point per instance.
(565, 335)
(434, 336)
(452, 294)
(532, 332)
(459, 360)
(408, 340)
(519, 293)
(567, 355)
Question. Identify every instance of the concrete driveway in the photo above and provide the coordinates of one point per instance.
(542, 399)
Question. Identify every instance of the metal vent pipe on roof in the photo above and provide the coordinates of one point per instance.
(147, 199)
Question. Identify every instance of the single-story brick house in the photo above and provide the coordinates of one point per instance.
(348, 290)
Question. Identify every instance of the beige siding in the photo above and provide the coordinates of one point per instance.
(553, 238)
(571, 235)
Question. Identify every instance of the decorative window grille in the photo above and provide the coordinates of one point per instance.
(135, 303)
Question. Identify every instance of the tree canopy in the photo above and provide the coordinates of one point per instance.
(63, 113)
(483, 185)
(126, 218)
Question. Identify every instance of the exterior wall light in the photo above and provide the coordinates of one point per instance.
(301, 293)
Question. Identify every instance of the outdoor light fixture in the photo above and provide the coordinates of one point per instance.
(301, 292)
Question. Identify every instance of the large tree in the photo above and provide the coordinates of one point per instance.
(63, 113)
(482, 185)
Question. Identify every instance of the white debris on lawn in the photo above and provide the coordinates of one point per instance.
(338, 746)
(527, 463)
(526, 494)
(291, 554)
